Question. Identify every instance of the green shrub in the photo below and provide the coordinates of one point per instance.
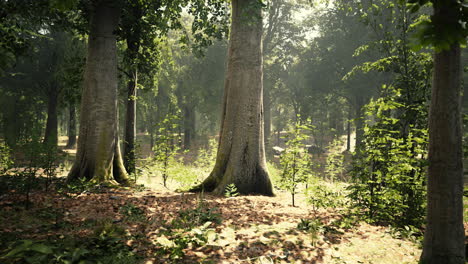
(322, 195)
(105, 246)
(166, 144)
(132, 212)
(231, 190)
(198, 216)
(295, 160)
(389, 168)
(173, 245)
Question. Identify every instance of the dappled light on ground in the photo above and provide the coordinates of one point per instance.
(246, 229)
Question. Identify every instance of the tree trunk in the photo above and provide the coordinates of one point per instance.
(267, 127)
(359, 121)
(130, 126)
(444, 236)
(71, 127)
(133, 37)
(241, 152)
(348, 132)
(51, 131)
(98, 157)
(189, 126)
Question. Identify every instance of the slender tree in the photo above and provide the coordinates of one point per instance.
(133, 35)
(98, 157)
(241, 154)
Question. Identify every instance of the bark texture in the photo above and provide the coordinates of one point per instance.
(98, 157)
(51, 131)
(359, 120)
(71, 127)
(130, 126)
(133, 36)
(189, 125)
(267, 121)
(444, 235)
(348, 132)
(241, 152)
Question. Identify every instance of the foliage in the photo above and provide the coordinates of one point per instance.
(335, 161)
(465, 135)
(175, 243)
(190, 218)
(190, 229)
(77, 187)
(295, 160)
(132, 212)
(38, 160)
(230, 190)
(104, 247)
(207, 156)
(314, 227)
(407, 232)
(167, 144)
(323, 195)
(389, 170)
(441, 33)
(5, 159)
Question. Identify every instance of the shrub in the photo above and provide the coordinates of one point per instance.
(295, 160)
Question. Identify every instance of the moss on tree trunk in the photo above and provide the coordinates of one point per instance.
(241, 153)
(98, 156)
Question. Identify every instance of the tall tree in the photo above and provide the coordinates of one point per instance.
(98, 157)
(133, 38)
(143, 23)
(241, 152)
(444, 235)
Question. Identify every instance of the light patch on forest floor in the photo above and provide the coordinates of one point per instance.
(253, 229)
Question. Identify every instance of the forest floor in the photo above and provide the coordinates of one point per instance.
(149, 223)
(161, 226)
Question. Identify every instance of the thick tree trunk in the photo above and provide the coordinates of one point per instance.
(444, 236)
(241, 153)
(130, 126)
(51, 131)
(98, 157)
(189, 126)
(71, 127)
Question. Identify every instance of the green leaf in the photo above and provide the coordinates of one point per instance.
(41, 248)
(21, 248)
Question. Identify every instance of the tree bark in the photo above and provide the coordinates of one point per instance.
(189, 125)
(267, 127)
(130, 126)
(348, 132)
(51, 131)
(133, 36)
(98, 157)
(444, 235)
(71, 127)
(241, 153)
(359, 121)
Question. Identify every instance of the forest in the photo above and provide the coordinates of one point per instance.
(233, 131)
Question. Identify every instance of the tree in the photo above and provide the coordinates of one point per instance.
(143, 23)
(241, 155)
(295, 161)
(282, 38)
(444, 235)
(98, 157)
